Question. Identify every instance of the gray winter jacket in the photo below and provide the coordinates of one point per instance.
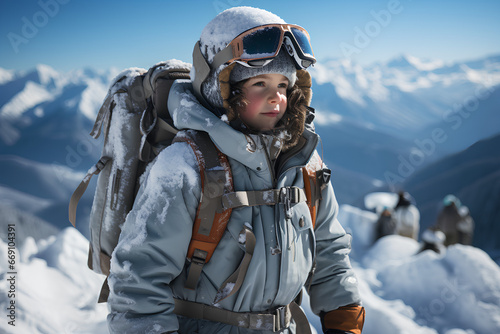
(149, 267)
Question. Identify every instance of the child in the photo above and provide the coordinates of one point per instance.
(253, 105)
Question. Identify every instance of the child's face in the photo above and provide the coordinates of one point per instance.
(266, 96)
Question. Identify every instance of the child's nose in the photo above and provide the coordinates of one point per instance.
(275, 97)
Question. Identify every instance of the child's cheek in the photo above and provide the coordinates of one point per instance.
(255, 104)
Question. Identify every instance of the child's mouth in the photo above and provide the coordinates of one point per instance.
(271, 113)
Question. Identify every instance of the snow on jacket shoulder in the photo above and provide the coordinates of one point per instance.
(149, 265)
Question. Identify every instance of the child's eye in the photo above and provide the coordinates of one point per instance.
(259, 84)
(283, 85)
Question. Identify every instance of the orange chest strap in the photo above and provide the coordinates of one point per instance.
(316, 178)
(211, 220)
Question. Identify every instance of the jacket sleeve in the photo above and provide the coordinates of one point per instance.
(334, 283)
(152, 248)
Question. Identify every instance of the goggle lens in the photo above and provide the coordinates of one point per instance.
(303, 41)
(261, 43)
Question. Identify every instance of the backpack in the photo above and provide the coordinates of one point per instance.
(136, 124)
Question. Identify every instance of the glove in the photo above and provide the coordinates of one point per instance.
(344, 320)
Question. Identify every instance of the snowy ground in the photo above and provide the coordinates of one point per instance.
(403, 292)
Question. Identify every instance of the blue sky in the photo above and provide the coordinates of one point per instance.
(69, 34)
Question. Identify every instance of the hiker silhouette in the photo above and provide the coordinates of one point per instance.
(455, 222)
(386, 224)
(407, 216)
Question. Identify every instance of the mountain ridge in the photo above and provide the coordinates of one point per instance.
(371, 118)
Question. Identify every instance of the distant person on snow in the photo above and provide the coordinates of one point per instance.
(249, 91)
(386, 224)
(455, 222)
(407, 216)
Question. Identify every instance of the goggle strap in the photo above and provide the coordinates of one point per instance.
(298, 53)
(202, 70)
(222, 56)
(293, 53)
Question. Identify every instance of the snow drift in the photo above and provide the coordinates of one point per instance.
(457, 292)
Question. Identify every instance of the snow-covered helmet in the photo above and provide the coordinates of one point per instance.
(233, 41)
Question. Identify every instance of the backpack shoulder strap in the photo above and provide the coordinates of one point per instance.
(316, 178)
(156, 123)
(211, 219)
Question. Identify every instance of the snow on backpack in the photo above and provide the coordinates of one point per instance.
(137, 125)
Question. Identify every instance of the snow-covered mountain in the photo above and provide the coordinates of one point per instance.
(370, 118)
(403, 95)
(46, 115)
(43, 109)
(473, 175)
(45, 118)
(457, 292)
(398, 98)
(43, 190)
(382, 123)
(475, 119)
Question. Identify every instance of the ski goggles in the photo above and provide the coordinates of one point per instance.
(258, 46)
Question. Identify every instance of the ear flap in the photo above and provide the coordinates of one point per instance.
(225, 87)
(304, 82)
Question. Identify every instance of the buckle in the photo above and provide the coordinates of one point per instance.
(102, 163)
(280, 319)
(323, 176)
(289, 196)
(285, 199)
(295, 195)
(199, 257)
